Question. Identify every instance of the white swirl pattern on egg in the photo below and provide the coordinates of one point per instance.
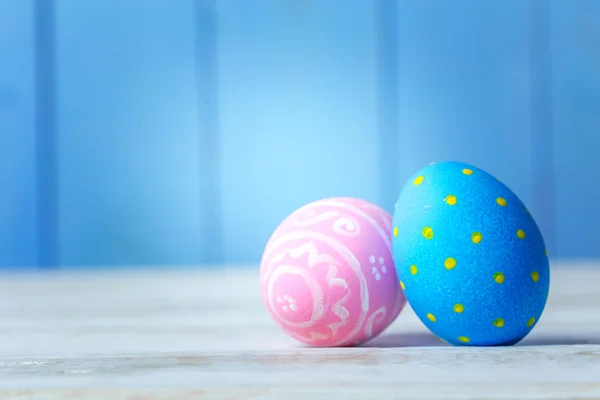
(320, 257)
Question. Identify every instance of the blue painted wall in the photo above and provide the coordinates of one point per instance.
(18, 212)
(575, 32)
(298, 112)
(161, 133)
(463, 84)
(129, 137)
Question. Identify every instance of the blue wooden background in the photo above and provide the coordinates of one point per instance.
(163, 132)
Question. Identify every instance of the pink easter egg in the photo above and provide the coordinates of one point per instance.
(327, 274)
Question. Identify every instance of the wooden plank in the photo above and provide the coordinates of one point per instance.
(18, 213)
(388, 132)
(130, 162)
(542, 121)
(576, 59)
(464, 90)
(298, 106)
(176, 334)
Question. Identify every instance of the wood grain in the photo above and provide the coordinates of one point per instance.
(188, 334)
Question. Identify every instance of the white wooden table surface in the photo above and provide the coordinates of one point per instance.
(187, 334)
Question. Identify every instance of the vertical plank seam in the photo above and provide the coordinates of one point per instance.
(387, 102)
(205, 23)
(46, 158)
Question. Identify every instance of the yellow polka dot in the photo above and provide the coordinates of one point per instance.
(498, 277)
(467, 171)
(498, 322)
(402, 285)
(431, 317)
(464, 339)
(501, 201)
(451, 200)
(419, 180)
(535, 276)
(530, 322)
(428, 233)
(476, 237)
(413, 269)
(546, 253)
(396, 231)
(521, 234)
(459, 308)
(450, 263)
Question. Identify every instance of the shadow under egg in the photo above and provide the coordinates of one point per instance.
(408, 339)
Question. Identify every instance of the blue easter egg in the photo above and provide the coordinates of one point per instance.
(469, 256)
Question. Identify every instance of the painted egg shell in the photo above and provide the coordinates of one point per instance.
(327, 273)
(469, 255)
